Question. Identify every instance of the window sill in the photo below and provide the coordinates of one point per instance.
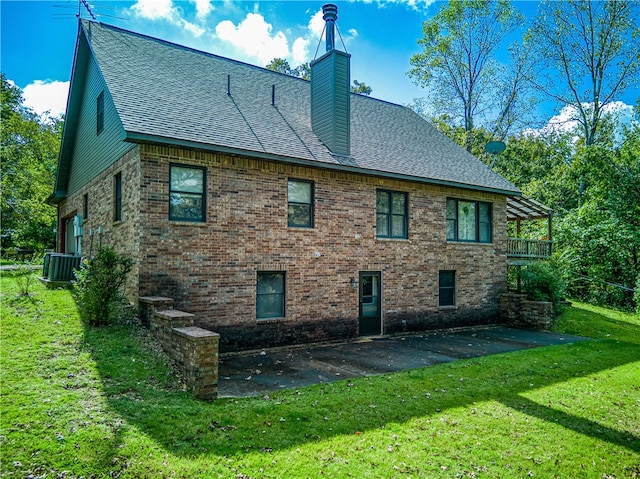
(382, 238)
(270, 320)
(447, 308)
(478, 243)
(187, 223)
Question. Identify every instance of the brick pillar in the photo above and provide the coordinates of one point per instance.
(198, 352)
(148, 305)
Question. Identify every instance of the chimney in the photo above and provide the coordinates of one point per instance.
(331, 92)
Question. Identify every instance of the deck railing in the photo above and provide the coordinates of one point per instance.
(527, 248)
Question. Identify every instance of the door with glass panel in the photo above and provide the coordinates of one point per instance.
(370, 310)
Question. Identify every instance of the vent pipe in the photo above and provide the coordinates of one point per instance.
(330, 15)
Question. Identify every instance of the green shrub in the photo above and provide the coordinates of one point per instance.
(25, 275)
(99, 288)
(543, 281)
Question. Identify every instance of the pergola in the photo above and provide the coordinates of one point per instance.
(521, 250)
(522, 208)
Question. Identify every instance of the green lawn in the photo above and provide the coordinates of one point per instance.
(85, 402)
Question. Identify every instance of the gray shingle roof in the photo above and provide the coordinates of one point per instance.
(167, 92)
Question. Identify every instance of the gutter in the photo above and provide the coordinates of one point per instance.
(142, 138)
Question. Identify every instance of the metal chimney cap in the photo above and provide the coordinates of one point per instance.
(330, 12)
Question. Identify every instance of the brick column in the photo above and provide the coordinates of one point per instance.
(148, 305)
(197, 351)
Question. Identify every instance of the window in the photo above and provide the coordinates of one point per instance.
(300, 200)
(391, 218)
(117, 197)
(100, 113)
(270, 295)
(186, 195)
(447, 288)
(85, 206)
(468, 221)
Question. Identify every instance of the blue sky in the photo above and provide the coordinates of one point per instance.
(38, 37)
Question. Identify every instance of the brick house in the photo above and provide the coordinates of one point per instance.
(275, 209)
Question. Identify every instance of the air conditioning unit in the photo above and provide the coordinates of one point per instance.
(59, 267)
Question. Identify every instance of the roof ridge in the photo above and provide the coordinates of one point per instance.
(192, 49)
(221, 57)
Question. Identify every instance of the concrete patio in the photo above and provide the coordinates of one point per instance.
(261, 372)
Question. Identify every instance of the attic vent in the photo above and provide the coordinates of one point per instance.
(330, 92)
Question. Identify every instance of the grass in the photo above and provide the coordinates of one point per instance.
(98, 402)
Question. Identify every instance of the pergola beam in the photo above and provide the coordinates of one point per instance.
(523, 208)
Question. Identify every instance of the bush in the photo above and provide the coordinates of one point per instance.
(25, 275)
(543, 281)
(99, 288)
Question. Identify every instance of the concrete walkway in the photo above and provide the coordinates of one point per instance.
(259, 373)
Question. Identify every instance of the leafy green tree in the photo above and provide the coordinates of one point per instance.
(459, 66)
(303, 71)
(282, 66)
(361, 88)
(590, 51)
(601, 237)
(540, 165)
(29, 151)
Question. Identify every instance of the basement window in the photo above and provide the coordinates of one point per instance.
(270, 297)
(447, 288)
(187, 193)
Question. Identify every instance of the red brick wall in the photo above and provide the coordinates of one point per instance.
(121, 235)
(210, 268)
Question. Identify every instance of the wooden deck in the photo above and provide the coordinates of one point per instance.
(529, 249)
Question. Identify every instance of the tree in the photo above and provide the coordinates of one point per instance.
(459, 63)
(303, 71)
(540, 165)
(361, 88)
(590, 53)
(29, 151)
(281, 65)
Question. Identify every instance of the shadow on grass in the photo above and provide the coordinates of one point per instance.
(140, 385)
(575, 423)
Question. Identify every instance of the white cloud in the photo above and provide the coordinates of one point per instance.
(412, 4)
(192, 27)
(46, 97)
(166, 10)
(567, 120)
(316, 24)
(203, 8)
(155, 10)
(253, 36)
(299, 51)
